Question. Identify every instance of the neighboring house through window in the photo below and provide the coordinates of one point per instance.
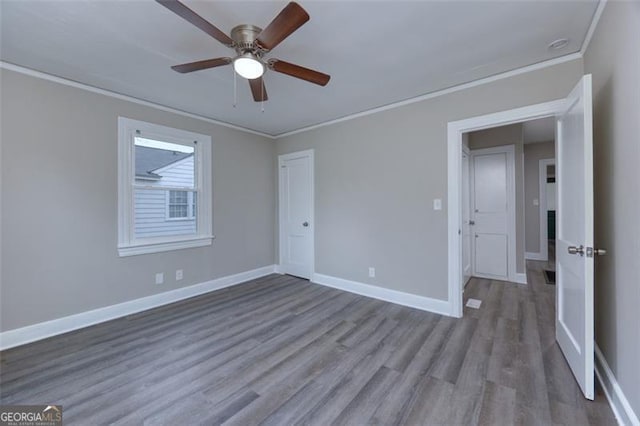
(161, 172)
(181, 205)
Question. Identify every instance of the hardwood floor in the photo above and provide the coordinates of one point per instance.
(280, 351)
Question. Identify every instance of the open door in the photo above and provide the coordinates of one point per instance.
(574, 235)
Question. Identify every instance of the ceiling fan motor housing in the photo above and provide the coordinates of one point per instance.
(244, 37)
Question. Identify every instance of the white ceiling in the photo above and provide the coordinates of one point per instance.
(541, 130)
(377, 52)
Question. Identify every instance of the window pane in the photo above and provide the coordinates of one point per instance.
(161, 164)
(157, 213)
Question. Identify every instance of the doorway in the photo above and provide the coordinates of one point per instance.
(574, 240)
(296, 213)
(457, 132)
(547, 218)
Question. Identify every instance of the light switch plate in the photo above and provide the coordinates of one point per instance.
(159, 277)
(536, 202)
(437, 204)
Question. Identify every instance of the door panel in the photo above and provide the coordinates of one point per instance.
(491, 173)
(296, 237)
(491, 254)
(491, 183)
(574, 228)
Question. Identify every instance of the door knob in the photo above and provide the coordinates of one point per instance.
(305, 224)
(595, 252)
(576, 250)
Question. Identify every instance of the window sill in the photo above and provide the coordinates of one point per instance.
(161, 247)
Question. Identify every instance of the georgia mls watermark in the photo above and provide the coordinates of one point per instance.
(30, 415)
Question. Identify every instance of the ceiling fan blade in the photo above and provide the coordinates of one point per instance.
(190, 16)
(201, 65)
(288, 20)
(258, 90)
(299, 72)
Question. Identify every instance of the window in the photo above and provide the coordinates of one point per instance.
(181, 205)
(164, 188)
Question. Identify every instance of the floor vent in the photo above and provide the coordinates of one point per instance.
(474, 303)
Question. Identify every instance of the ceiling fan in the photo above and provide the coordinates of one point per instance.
(251, 43)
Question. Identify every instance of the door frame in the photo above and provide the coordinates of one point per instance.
(510, 151)
(309, 153)
(543, 253)
(455, 129)
(466, 151)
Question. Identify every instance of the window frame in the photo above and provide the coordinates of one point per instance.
(191, 213)
(128, 244)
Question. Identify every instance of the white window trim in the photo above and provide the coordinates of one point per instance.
(128, 245)
(191, 214)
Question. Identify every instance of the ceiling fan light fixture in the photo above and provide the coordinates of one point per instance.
(248, 66)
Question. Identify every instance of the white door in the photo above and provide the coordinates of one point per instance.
(574, 234)
(466, 219)
(296, 213)
(493, 196)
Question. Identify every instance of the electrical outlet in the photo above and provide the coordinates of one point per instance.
(159, 277)
(536, 202)
(178, 274)
(372, 272)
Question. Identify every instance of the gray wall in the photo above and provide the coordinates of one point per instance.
(533, 153)
(508, 135)
(377, 176)
(59, 204)
(613, 57)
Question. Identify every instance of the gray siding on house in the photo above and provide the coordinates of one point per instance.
(151, 218)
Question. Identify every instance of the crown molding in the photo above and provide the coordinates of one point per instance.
(592, 28)
(523, 70)
(39, 74)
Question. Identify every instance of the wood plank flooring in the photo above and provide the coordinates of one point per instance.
(282, 351)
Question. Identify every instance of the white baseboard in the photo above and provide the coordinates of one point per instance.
(534, 256)
(617, 400)
(32, 333)
(520, 278)
(437, 306)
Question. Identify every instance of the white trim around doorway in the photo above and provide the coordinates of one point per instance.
(455, 129)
